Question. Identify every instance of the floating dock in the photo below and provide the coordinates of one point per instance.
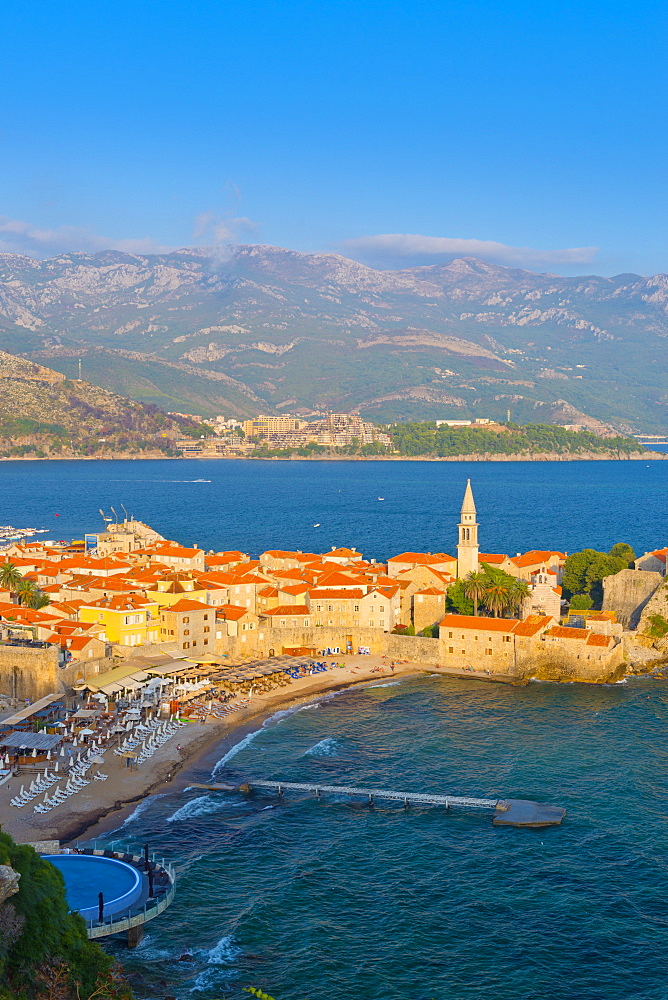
(507, 812)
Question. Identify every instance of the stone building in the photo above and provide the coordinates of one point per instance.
(189, 624)
(467, 546)
(427, 607)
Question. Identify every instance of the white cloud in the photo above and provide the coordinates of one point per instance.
(404, 249)
(25, 238)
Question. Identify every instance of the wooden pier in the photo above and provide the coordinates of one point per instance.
(507, 812)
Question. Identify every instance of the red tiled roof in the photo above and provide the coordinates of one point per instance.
(566, 632)
(479, 624)
(287, 610)
(536, 556)
(422, 558)
(231, 612)
(327, 594)
(431, 592)
(532, 625)
(599, 640)
(491, 557)
(185, 605)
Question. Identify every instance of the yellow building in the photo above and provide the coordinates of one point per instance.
(174, 587)
(128, 620)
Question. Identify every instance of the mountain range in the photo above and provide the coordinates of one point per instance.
(257, 328)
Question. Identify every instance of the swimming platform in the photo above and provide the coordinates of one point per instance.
(507, 812)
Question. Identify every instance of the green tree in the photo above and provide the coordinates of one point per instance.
(517, 594)
(497, 596)
(38, 599)
(622, 550)
(584, 572)
(10, 577)
(457, 600)
(475, 588)
(410, 630)
(581, 602)
(25, 592)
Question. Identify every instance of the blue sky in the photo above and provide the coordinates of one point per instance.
(394, 132)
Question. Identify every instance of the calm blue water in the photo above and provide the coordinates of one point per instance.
(253, 505)
(344, 902)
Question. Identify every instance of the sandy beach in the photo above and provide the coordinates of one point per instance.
(103, 805)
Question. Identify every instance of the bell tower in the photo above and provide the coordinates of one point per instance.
(467, 546)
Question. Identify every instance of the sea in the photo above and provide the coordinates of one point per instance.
(337, 899)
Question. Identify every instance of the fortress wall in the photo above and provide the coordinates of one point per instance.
(399, 647)
(29, 672)
(627, 592)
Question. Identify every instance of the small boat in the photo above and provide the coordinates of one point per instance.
(317, 525)
(381, 498)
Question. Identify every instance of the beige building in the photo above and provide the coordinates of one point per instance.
(427, 607)
(189, 624)
(234, 621)
(467, 546)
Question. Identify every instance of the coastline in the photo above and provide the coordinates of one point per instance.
(530, 457)
(104, 806)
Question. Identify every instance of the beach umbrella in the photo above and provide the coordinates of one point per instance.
(62, 752)
(48, 755)
(55, 770)
(75, 742)
(34, 751)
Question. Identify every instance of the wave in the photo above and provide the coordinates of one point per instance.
(139, 810)
(284, 713)
(325, 748)
(233, 751)
(387, 684)
(201, 806)
(223, 953)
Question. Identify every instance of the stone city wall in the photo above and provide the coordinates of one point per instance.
(627, 592)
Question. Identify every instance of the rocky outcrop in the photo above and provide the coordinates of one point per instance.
(9, 882)
(626, 593)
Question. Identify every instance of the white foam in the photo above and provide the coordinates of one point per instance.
(223, 953)
(387, 684)
(325, 748)
(201, 806)
(233, 751)
(141, 808)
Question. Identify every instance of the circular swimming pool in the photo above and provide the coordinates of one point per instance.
(86, 876)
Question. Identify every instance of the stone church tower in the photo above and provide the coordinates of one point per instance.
(467, 546)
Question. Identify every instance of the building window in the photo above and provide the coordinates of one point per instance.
(488, 652)
(194, 642)
(206, 642)
(330, 607)
(186, 631)
(282, 621)
(475, 638)
(206, 618)
(450, 649)
(207, 628)
(356, 607)
(186, 645)
(449, 635)
(318, 607)
(186, 620)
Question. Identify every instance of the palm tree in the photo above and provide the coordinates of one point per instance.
(475, 588)
(517, 595)
(496, 598)
(10, 577)
(25, 591)
(38, 599)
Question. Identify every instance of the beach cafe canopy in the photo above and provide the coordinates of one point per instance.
(86, 713)
(30, 741)
(30, 710)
